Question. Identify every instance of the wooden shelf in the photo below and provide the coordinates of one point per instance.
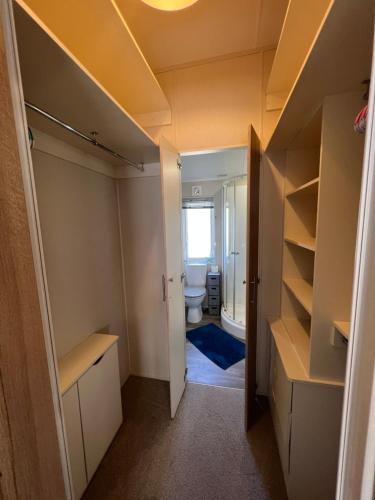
(74, 364)
(319, 77)
(53, 81)
(343, 327)
(310, 187)
(291, 359)
(304, 242)
(302, 291)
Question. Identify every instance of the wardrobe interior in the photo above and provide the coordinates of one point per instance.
(101, 229)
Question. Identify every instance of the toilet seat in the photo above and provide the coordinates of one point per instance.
(194, 291)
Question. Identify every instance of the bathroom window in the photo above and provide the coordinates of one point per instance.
(198, 230)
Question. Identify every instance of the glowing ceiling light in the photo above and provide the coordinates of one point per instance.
(169, 4)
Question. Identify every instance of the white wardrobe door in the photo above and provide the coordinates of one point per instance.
(101, 412)
(73, 429)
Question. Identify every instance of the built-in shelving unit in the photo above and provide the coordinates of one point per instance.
(302, 176)
(322, 185)
(319, 158)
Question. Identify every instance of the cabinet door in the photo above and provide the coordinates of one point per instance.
(72, 420)
(281, 406)
(101, 412)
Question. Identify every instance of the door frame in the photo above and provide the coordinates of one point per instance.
(46, 347)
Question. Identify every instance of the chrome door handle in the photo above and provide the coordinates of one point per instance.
(183, 276)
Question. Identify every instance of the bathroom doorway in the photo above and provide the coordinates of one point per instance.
(214, 222)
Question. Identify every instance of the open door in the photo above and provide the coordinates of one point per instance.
(173, 280)
(252, 279)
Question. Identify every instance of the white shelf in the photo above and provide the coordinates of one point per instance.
(74, 364)
(319, 77)
(304, 241)
(343, 327)
(53, 82)
(290, 358)
(302, 291)
(310, 187)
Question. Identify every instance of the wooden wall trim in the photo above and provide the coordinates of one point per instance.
(30, 457)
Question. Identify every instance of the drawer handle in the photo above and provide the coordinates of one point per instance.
(98, 360)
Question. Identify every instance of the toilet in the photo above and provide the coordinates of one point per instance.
(195, 291)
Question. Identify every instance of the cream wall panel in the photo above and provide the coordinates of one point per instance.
(214, 103)
(80, 233)
(144, 258)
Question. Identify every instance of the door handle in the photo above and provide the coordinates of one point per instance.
(163, 287)
(183, 276)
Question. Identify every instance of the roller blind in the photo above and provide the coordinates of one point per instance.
(197, 203)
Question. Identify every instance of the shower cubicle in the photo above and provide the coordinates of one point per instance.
(233, 313)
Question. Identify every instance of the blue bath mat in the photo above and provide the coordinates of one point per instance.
(220, 347)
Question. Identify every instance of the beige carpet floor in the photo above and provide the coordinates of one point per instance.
(203, 454)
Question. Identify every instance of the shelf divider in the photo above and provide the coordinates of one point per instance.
(307, 242)
(310, 187)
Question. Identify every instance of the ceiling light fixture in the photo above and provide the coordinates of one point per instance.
(169, 4)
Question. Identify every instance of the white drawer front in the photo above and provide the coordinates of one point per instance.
(72, 420)
(101, 411)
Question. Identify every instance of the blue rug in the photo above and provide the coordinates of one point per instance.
(220, 347)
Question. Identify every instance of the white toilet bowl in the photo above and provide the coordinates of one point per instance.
(194, 296)
(195, 291)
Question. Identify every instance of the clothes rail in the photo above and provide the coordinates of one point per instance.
(91, 140)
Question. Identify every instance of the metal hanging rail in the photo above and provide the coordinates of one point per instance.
(91, 140)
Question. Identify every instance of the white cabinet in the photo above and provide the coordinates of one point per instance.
(91, 395)
(306, 414)
(101, 412)
(73, 431)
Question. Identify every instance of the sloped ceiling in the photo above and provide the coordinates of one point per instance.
(206, 30)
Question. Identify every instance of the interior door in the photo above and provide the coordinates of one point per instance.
(252, 280)
(173, 280)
